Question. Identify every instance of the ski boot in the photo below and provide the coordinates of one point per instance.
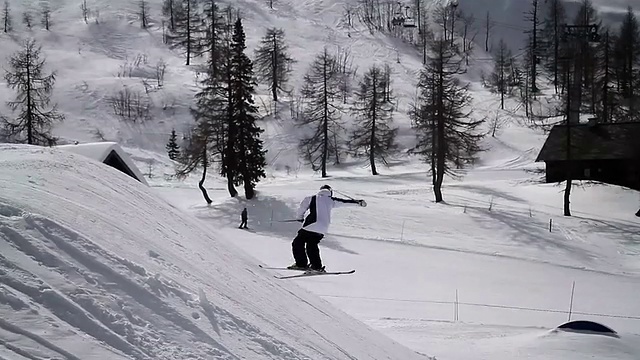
(321, 269)
(296, 267)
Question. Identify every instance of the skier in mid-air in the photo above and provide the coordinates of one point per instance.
(314, 226)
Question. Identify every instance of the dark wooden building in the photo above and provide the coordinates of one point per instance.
(609, 153)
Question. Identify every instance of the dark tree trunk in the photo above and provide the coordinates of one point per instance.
(605, 87)
(570, 106)
(30, 138)
(189, 32)
(205, 164)
(534, 49)
(275, 86)
(441, 145)
(372, 154)
(325, 125)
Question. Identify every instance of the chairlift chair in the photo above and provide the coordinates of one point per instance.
(397, 21)
(409, 23)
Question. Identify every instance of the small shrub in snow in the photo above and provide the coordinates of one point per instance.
(27, 19)
(131, 105)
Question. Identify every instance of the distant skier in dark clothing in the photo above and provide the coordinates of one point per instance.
(243, 224)
(314, 226)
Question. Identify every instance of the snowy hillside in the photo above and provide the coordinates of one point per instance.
(94, 266)
(96, 60)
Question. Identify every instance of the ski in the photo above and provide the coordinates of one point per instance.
(279, 268)
(306, 272)
(314, 273)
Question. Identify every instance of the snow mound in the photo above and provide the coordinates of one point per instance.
(94, 265)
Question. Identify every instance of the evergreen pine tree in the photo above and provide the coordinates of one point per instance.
(229, 168)
(187, 26)
(250, 154)
(627, 64)
(606, 111)
(533, 45)
(589, 60)
(321, 114)
(6, 17)
(27, 19)
(26, 76)
(173, 149)
(499, 78)
(552, 30)
(170, 10)
(212, 113)
(451, 137)
(194, 155)
(46, 15)
(373, 135)
(143, 13)
(215, 28)
(422, 115)
(273, 61)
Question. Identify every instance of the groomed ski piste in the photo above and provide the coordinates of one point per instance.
(95, 265)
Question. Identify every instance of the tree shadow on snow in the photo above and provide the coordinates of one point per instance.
(625, 233)
(487, 191)
(268, 216)
(529, 232)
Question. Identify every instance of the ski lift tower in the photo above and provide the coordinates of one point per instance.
(579, 38)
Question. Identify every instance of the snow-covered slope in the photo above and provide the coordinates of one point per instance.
(499, 247)
(94, 265)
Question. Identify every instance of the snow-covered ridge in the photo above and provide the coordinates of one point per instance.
(95, 266)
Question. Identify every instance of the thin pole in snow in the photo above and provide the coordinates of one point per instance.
(271, 222)
(573, 288)
(455, 308)
(402, 231)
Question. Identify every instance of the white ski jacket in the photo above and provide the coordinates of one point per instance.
(319, 207)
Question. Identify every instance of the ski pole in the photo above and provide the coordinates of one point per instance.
(343, 194)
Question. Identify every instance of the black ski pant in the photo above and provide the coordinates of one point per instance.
(243, 224)
(306, 244)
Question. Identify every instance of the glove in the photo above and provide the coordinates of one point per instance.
(362, 203)
(300, 220)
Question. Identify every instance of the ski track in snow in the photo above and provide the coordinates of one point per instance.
(101, 301)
